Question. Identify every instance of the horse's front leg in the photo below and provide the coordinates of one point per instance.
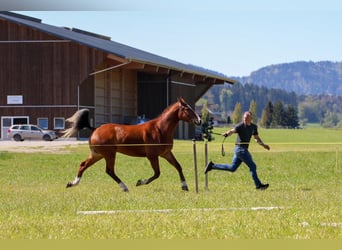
(173, 161)
(156, 169)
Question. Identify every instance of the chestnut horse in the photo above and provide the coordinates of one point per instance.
(150, 139)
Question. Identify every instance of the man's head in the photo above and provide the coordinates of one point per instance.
(247, 117)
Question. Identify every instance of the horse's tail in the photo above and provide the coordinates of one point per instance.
(78, 121)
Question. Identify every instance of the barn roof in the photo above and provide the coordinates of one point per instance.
(117, 49)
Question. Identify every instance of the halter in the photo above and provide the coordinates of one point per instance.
(184, 107)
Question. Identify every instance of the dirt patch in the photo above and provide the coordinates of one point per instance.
(58, 146)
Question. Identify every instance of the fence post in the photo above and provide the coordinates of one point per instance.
(206, 162)
(195, 164)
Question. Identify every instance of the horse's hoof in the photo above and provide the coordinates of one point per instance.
(139, 183)
(69, 184)
(185, 188)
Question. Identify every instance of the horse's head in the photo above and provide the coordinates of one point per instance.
(186, 113)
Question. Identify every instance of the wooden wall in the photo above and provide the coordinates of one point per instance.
(115, 97)
(46, 74)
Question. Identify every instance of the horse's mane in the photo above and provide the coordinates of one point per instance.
(167, 109)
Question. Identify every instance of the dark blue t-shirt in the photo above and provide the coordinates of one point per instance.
(245, 133)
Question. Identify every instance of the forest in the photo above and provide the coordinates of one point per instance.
(272, 107)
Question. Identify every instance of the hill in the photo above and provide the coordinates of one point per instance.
(304, 78)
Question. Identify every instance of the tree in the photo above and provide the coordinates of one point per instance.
(291, 117)
(310, 110)
(254, 110)
(237, 114)
(278, 116)
(205, 112)
(225, 99)
(330, 120)
(263, 120)
(266, 116)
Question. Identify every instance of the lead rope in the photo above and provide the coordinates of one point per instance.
(222, 147)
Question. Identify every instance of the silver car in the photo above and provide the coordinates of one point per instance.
(28, 131)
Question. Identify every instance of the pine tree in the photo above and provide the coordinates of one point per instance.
(205, 112)
(225, 99)
(292, 117)
(266, 116)
(263, 120)
(279, 115)
(205, 122)
(237, 114)
(254, 110)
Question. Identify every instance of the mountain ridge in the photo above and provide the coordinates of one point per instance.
(301, 77)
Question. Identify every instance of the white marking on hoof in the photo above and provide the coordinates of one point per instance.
(185, 186)
(123, 187)
(74, 182)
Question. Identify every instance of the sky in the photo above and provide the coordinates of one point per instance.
(231, 37)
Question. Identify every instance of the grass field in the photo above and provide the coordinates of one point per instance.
(303, 167)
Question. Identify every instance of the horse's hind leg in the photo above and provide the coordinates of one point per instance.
(173, 161)
(110, 161)
(156, 169)
(93, 158)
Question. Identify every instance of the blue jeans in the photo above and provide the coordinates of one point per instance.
(241, 155)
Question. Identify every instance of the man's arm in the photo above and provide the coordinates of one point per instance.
(229, 132)
(260, 142)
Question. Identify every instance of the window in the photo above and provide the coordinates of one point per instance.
(25, 127)
(58, 123)
(43, 123)
(34, 128)
(6, 122)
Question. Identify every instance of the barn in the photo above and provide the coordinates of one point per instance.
(49, 72)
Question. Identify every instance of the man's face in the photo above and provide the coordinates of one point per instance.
(247, 118)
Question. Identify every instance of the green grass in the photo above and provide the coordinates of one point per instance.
(304, 169)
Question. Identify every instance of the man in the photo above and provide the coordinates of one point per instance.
(244, 131)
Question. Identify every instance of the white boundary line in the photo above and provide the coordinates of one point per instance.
(323, 224)
(177, 210)
(331, 224)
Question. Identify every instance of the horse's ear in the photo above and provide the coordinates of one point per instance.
(181, 100)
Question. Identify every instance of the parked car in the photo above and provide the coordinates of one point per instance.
(21, 132)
